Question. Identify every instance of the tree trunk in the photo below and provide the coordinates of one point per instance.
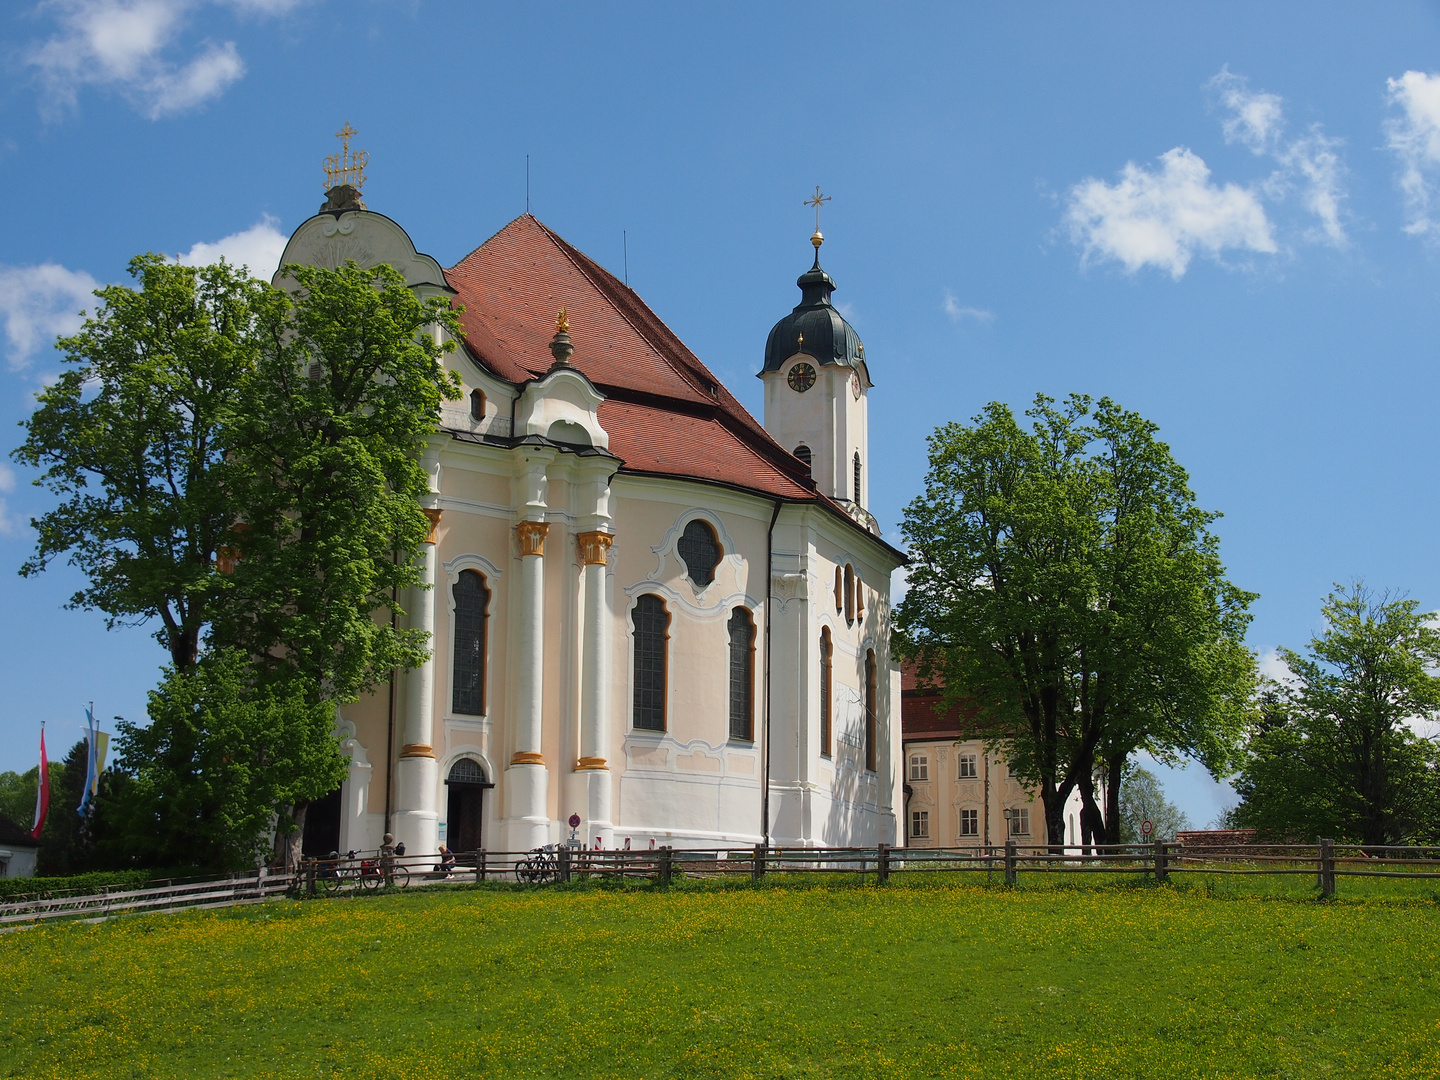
(1114, 773)
(290, 840)
(185, 647)
(1092, 821)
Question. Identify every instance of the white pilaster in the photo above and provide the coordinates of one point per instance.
(415, 821)
(527, 778)
(595, 692)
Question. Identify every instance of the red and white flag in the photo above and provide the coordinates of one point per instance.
(42, 793)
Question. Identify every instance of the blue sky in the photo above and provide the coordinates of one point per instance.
(1226, 217)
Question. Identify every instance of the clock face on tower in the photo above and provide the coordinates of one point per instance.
(801, 378)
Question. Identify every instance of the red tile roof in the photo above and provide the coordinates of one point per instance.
(923, 714)
(665, 413)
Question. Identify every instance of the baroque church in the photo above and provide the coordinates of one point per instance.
(648, 611)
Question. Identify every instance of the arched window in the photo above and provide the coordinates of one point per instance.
(870, 709)
(827, 652)
(849, 594)
(472, 619)
(477, 404)
(652, 626)
(839, 591)
(859, 597)
(742, 675)
(803, 453)
(700, 550)
(857, 477)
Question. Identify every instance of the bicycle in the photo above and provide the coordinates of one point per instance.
(542, 866)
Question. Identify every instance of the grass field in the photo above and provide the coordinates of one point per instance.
(1100, 981)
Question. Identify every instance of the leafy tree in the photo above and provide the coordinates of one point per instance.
(1065, 582)
(130, 437)
(221, 753)
(1333, 753)
(1142, 799)
(327, 475)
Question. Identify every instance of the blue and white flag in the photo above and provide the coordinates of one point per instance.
(99, 743)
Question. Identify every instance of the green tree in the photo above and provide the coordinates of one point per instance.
(1333, 752)
(1066, 583)
(130, 437)
(220, 754)
(1142, 799)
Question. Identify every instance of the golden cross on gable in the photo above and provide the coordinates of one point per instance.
(344, 167)
(817, 200)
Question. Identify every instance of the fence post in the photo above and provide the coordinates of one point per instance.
(1009, 862)
(882, 864)
(757, 868)
(564, 864)
(667, 864)
(1327, 868)
(1162, 872)
(310, 878)
(479, 867)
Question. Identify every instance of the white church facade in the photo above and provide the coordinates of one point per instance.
(648, 610)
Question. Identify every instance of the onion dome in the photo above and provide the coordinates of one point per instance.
(814, 327)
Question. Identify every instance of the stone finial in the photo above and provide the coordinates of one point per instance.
(560, 345)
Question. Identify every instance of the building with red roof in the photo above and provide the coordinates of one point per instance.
(651, 614)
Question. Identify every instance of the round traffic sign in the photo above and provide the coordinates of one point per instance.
(1146, 828)
(575, 821)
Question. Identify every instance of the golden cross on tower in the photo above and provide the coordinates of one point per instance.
(344, 167)
(817, 200)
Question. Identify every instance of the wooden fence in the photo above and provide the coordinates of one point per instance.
(1325, 861)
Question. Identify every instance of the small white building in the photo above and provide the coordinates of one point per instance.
(18, 850)
(649, 611)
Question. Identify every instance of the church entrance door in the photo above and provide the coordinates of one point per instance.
(322, 827)
(465, 809)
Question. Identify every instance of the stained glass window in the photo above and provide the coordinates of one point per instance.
(472, 617)
(826, 653)
(700, 550)
(652, 622)
(870, 709)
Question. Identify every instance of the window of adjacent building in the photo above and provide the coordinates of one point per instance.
(857, 477)
(1020, 822)
(849, 593)
(477, 404)
(969, 822)
(967, 767)
(827, 653)
(803, 453)
(701, 552)
(870, 674)
(472, 620)
(920, 824)
(919, 767)
(652, 625)
(742, 675)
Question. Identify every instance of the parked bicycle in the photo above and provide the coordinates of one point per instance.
(542, 866)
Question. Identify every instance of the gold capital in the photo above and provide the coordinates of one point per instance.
(434, 516)
(591, 763)
(593, 546)
(527, 757)
(532, 537)
(416, 750)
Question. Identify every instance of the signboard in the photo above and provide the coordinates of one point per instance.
(1146, 828)
(575, 821)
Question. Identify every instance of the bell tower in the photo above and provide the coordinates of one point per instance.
(816, 387)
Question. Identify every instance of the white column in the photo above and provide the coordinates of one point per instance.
(415, 821)
(527, 778)
(595, 692)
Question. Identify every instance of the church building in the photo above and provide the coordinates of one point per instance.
(649, 611)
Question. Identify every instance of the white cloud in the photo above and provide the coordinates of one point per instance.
(128, 45)
(1164, 217)
(39, 302)
(1272, 666)
(258, 247)
(960, 312)
(1415, 138)
(1257, 118)
(1311, 162)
